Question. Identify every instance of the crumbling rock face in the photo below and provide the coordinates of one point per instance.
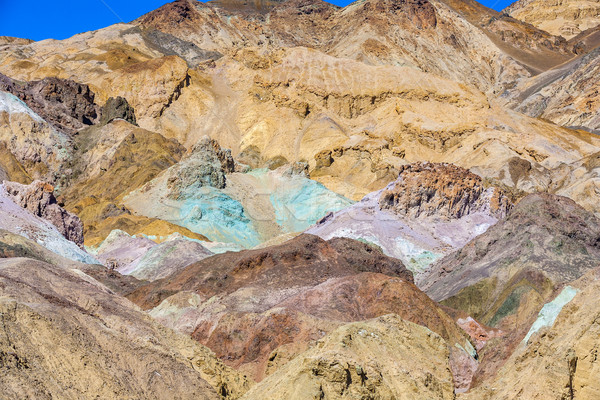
(206, 166)
(115, 108)
(420, 12)
(66, 104)
(384, 358)
(38, 198)
(444, 190)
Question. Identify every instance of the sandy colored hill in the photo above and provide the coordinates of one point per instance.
(89, 342)
(567, 18)
(560, 360)
(384, 358)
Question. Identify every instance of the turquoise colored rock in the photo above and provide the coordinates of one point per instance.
(550, 311)
(254, 207)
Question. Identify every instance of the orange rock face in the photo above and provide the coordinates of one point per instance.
(444, 190)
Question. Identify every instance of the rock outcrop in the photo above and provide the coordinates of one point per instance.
(117, 108)
(443, 190)
(382, 358)
(205, 166)
(18, 220)
(68, 105)
(544, 234)
(429, 211)
(38, 198)
(567, 18)
(113, 160)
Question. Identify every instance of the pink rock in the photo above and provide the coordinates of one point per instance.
(38, 198)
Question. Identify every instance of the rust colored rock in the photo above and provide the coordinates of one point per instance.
(444, 190)
(66, 104)
(419, 12)
(38, 198)
(304, 260)
(257, 309)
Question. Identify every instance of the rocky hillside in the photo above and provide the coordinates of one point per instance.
(504, 277)
(285, 297)
(564, 349)
(566, 18)
(565, 95)
(289, 199)
(80, 328)
(429, 211)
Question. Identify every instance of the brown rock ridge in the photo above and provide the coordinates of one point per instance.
(273, 267)
(444, 190)
(66, 104)
(287, 296)
(38, 198)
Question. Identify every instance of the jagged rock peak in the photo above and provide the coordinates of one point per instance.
(38, 198)
(115, 108)
(445, 190)
(66, 104)
(206, 165)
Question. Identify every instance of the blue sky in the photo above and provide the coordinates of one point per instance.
(60, 19)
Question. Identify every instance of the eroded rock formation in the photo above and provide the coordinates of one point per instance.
(38, 198)
(66, 104)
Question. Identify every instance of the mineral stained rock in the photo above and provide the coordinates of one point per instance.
(506, 276)
(431, 210)
(38, 198)
(559, 361)
(66, 104)
(117, 108)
